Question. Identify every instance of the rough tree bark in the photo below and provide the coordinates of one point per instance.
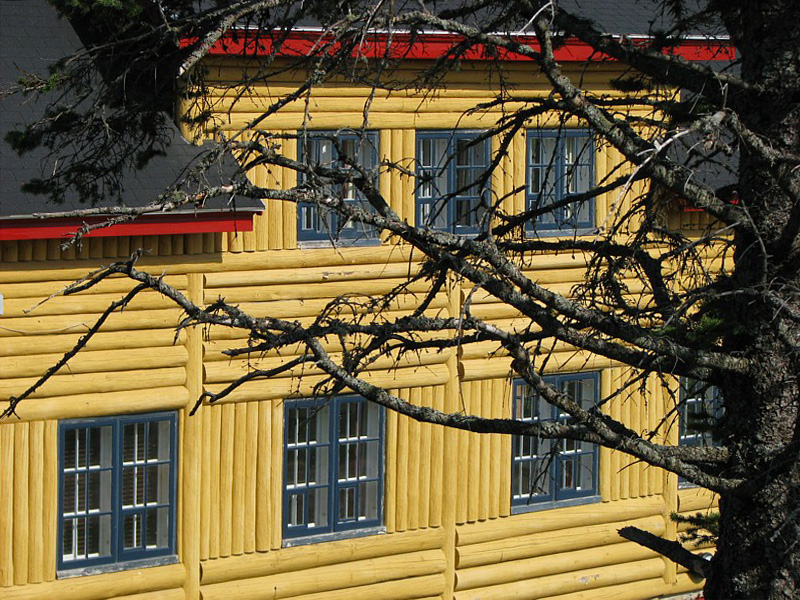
(759, 544)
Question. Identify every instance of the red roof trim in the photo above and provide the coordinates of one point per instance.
(171, 224)
(435, 45)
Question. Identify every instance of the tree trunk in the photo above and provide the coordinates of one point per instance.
(758, 553)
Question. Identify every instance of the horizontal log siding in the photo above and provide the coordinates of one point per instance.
(141, 584)
(558, 552)
(400, 565)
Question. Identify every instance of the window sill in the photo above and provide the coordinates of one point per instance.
(143, 563)
(561, 233)
(536, 507)
(333, 537)
(346, 243)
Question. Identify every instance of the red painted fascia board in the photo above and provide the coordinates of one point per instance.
(687, 206)
(430, 46)
(43, 229)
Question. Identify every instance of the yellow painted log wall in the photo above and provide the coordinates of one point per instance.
(240, 458)
(400, 565)
(28, 489)
(567, 552)
(447, 493)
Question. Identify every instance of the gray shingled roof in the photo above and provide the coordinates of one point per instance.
(32, 36)
(631, 18)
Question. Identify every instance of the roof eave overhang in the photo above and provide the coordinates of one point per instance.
(431, 45)
(31, 228)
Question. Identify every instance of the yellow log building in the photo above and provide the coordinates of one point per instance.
(108, 488)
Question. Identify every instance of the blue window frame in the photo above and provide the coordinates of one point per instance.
(336, 150)
(699, 411)
(560, 163)
(333, 466)
(117, 490)
(552, 471)
(449, 165)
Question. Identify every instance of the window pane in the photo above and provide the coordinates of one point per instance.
(541, 473)
(81, 491)
(133, 442)
(300, 458)
(157, 478)
(355, 413)
(132, 536)
(132, 486)
(69, 455)
(319, 428)
(158, 440)
(347, 503)
(344, 420)
(368, 500)
(586, 472)
(303, 416)
(157, 528)
(296, 509)
(80, 447)
(68, 539)
(99, 446)
(95, 491)
(346, 462)
(318, 507)
(92, 536)
(568, 476)
(69, 490)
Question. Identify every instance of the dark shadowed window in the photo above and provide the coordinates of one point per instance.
(340, 151)
(552, 471)
(560, 163)
(450, 194)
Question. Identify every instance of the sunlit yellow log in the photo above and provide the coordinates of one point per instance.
(102, 404)
(332, 577)
(350, 273)
(7, 505)
(551, 542)
(295, 387)
(305, 558)
(97, 587)
(95, 383)
(155, 338)
(401, 589)
(560, 518)
(568, 582)
(21, 492)
(34, 365)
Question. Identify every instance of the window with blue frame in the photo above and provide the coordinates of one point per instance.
(333, 466)
(337, 150)
(699, 411)
(560, 164)
(551, 471)
(450, 195)
(117, 490)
